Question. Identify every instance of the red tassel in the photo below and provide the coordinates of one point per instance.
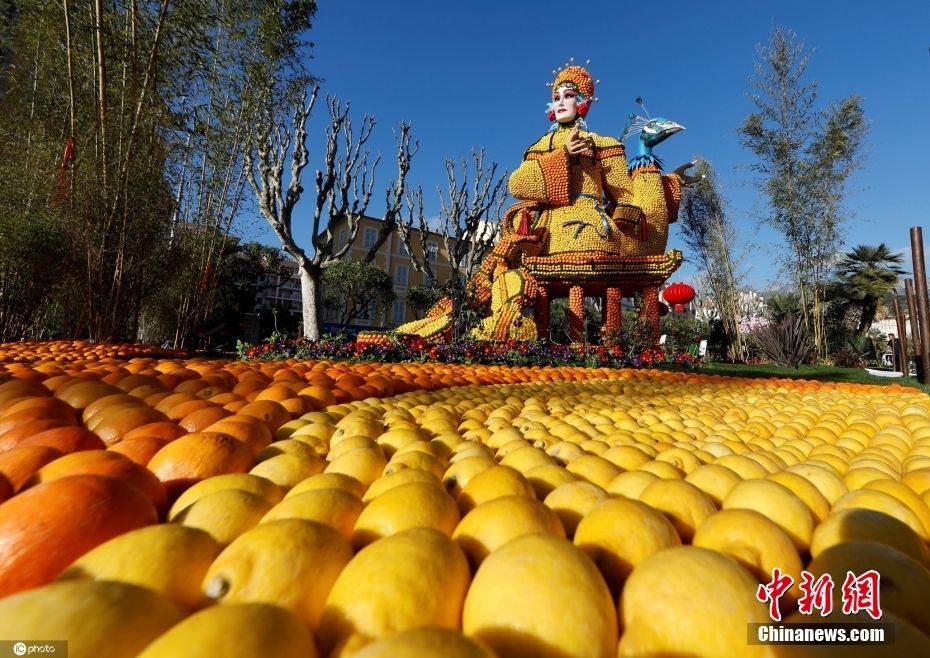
(524, 228)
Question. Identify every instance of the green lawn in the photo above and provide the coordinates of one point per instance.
(819, 373)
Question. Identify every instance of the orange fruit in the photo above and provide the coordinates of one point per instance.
(15, 436)
(139, 449)
(250, 430)
(37, 402)
(67, 439)
(19, 464)
(166, 430)
(47, 527)
(178, 411)
(106, 401)
(269, 411)
(116, 422)
(108, 464)
(175, 398)
(197, 456)
(82, 393)
(200, 419)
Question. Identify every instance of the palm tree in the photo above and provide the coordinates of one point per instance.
(865, 275)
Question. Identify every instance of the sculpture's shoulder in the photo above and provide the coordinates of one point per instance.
(545, 144)
(608, 146)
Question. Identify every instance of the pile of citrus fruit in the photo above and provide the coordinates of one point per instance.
(167, 507)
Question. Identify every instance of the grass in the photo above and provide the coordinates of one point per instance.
(818, 373)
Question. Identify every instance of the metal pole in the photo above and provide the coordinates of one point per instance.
(923, 307)
(904, 365)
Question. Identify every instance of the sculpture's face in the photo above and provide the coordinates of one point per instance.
(564, 104)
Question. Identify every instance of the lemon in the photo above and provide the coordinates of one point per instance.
(394, 439)
(564, 452)
(544, 479)
(908, 640)
(351, 443)
(620, 533)
(168, 558)
(869, 525)
(99, 619)
(631, 484)
(828, 483)
(284, 447)
(243, 481)
(626, 457)
(689, 601)
(363, 464)
(336, 508)
(288, 469)
(494, 482)
(426, 643)
(714, 480)
(903, 583)
(742, 466)
(664, 470)
(291, 563)
(594, 469)
(572, 500)
(804, 489)
(459, 473)
(881, 502)
(777, 503)
(397, 478)
(753, 541)
(284, 432)
(236, 630)
(328, 481)
(414, 578)
(224, 514)
(492, 524)
(907, 496)
(526, 459)
(415, 460)
(412, 505)
(684, 504)
(520, 606)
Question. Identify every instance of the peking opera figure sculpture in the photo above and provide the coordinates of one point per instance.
(588, 222)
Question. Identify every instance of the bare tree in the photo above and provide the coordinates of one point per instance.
(468, 220)
(343, 189)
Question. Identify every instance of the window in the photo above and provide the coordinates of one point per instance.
(427, 281)
(341, 240)
(368, 313)
(371, 236)
(432, 251)
(399, 311)
(400, 275)
(401, 246)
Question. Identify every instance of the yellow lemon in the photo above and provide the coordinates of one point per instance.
(742, 466)
(224, 514)
(544, 479)
(363, 464)
(291, 563)
(620, 533)
(918, 480)
(470, 449)
(492, 524)
(168, 558)
(426, 643)
(412, 505)
(414, 578)
(526, 459)
(631, 484)
(907, 496)
(908, 640)
(565, 451)
(288, 469)
(626, 457)
(881, 502)
(753, 541)
(572, 500)
(777, 503)
(494, 482)
(714, 480)
(284, 432)
(594, 469)
(236, 630)
(669, 600)
(397, 478)
(828, 483)
(806, 491)
(351, 443)
(328, 481)
(520, 606)
(394, 439)
(99, 619)
(680, 458)
(415, 460)
(664, 470)
(461, 472)
(284, 447)
(903, 581)
(684, 504)
(336, 508)
(869, 525)
(243, 481)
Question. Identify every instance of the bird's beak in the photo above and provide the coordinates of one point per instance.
(673, 128)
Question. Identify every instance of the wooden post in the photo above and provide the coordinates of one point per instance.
(915, 324)
(923, 307)
(904, 366)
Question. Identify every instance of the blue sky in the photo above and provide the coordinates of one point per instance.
(472, 75)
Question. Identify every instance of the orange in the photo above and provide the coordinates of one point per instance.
(107, 464)
(19, 464)
(37, 402)
(49, 526)
(166, 430)
(100, 404)
(200, 419)
(250, 430)
(67, 439)
(139, 449)
(197, 456)
(174, 399)
(178, 411)
(82, 393)
(117, 421)
(269, 411)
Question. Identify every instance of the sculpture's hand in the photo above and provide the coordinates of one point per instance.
(687, 180)
(576, 144)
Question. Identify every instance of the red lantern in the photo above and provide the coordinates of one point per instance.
(679, 307)
(678, 294)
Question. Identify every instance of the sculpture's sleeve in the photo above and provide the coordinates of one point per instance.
(542, 177)
(671, 186)
(617, 183)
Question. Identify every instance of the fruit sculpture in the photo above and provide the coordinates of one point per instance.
(587, 223)
(177, 507)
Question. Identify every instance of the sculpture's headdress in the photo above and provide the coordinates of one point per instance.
(580, 80)
(636, 122)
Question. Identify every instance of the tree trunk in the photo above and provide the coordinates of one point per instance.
(312, 297)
